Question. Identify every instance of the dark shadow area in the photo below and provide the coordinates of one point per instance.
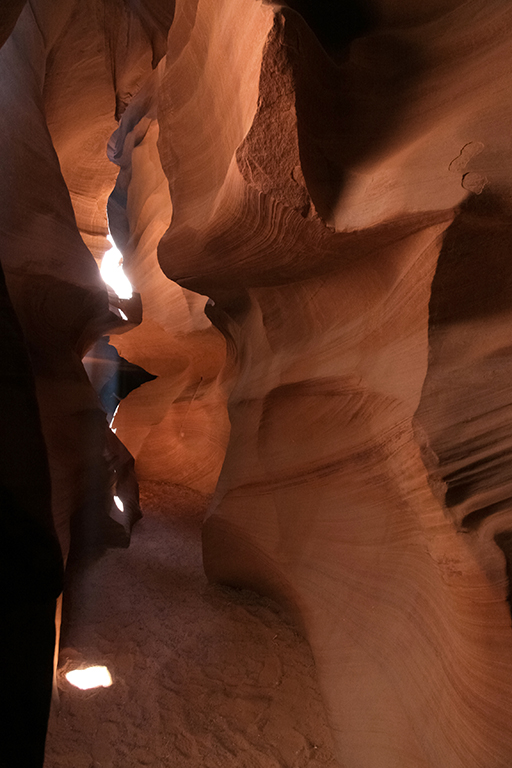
(353, 82)
(92, 531)
(473, 279)
(9, 12)
(92, 528)
(156, 19)
(227, 314)
(336, 23)
(467, 393)
(465, 411)
(31, 562)
(504, 542)
(112, 377)
(127, 378)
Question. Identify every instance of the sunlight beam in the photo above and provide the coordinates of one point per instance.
(112, 271)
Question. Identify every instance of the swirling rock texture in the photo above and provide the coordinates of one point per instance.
(51, 276)
(176, 426)
(68, 70)
(336, 181)
(62, 307)
(348, 215)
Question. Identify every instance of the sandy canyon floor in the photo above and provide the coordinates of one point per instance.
(203, 676)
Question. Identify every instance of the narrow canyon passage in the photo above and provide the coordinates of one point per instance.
(203, 676)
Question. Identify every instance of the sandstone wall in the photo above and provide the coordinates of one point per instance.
(345, 213)
(336, 184)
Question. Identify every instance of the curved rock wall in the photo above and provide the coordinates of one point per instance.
(31, 564)
(315, 208)
(176, 427)
(52, 279)
(337, 185)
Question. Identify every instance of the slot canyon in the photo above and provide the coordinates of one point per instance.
(268, 485)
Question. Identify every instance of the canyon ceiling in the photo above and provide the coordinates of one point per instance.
(314, 206)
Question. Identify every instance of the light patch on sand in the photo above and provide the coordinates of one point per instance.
(90, 677)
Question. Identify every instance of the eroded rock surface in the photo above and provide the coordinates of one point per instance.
(322, 229)
(337, 185)
(176, 427)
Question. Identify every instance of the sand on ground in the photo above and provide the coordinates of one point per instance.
(203, 676)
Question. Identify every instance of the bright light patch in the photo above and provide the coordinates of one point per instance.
(112, 271)
(113, 417)
(125, 317)
(91, 677)
(119, 504)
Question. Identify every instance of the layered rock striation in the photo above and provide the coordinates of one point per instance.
(325, 195)
(340, 211)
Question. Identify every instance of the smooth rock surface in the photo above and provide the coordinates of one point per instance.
(322, 242)
(315, 213)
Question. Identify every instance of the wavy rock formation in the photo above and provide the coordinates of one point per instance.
(366, 478)
(329, 186)
(52, 279)
(176, 427)
(68, 70)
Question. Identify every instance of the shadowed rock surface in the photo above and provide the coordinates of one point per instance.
(31, 562)
(314, 208)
